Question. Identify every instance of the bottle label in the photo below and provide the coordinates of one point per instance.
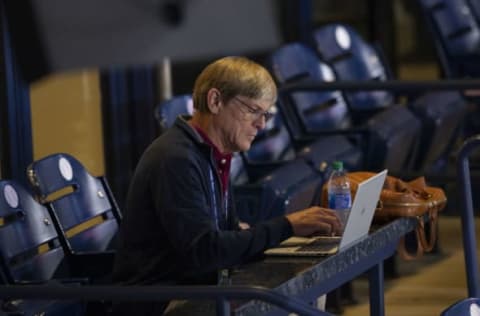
(339, 201)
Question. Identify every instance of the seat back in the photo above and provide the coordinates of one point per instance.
(273, 143)
(442, 114)
(455, 24)
(322, 152)
(353, 59)
(291, 187)
(307, 112)
(167, 111)
(475, 7)
(456, 36)
(83, 206)
(393, 141)
(30, 252)
(29, 246)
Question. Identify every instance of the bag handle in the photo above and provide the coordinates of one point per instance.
(423, 245)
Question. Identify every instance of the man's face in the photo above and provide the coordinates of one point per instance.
(240, 120)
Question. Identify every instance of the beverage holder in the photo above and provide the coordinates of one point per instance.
(404, 199)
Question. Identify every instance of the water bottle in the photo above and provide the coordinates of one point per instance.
(339, 194)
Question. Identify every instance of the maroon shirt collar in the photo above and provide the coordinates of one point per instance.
(222, 161)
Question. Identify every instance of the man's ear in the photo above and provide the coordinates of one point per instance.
(214, 101)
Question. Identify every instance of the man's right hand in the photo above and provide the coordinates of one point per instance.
(314, 221)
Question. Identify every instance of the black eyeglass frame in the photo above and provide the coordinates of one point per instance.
(257, 113)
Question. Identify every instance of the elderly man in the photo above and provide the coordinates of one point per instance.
(179, 226)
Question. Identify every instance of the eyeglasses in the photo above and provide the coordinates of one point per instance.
(254, 114)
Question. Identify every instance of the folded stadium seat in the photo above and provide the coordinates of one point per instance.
(30, 252)
(443, 116)
(455, 29)
(456, 35)
(387, 139)
(83, 209)
(166, 112)
(291, 187)
(352, 58)
(475, 7)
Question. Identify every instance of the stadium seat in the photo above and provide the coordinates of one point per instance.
(441, 112)
(82, 208)
(30, 252)
(386, 139)
(456, 35)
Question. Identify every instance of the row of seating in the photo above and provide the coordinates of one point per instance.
(58, 229)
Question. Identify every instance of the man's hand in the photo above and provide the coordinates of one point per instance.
(314, 221)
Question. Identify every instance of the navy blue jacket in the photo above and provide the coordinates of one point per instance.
(177, 227)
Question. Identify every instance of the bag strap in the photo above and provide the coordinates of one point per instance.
(428, 245)
(404, 253)
(423, 245)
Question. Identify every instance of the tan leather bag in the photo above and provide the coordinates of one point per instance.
(404, 199)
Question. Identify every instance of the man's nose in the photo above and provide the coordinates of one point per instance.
(260, 123)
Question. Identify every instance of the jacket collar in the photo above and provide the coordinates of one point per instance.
(182, 122)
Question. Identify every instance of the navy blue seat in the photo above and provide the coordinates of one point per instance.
(353, 59)
(475, 7)
(456, 35)
(30, 251)
(273, 143)
(167, 111)
(289, 188)
(443, 119)
(82, 207)
(466, 307)
(383, 139)
(315, 116)
(441, 113)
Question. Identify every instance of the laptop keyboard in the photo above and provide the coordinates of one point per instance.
(320, 245)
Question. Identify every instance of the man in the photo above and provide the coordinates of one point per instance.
(179, 226)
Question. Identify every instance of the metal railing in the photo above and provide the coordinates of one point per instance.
(467, 215)
(220, 294)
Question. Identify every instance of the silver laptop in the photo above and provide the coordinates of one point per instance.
(357, 226)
